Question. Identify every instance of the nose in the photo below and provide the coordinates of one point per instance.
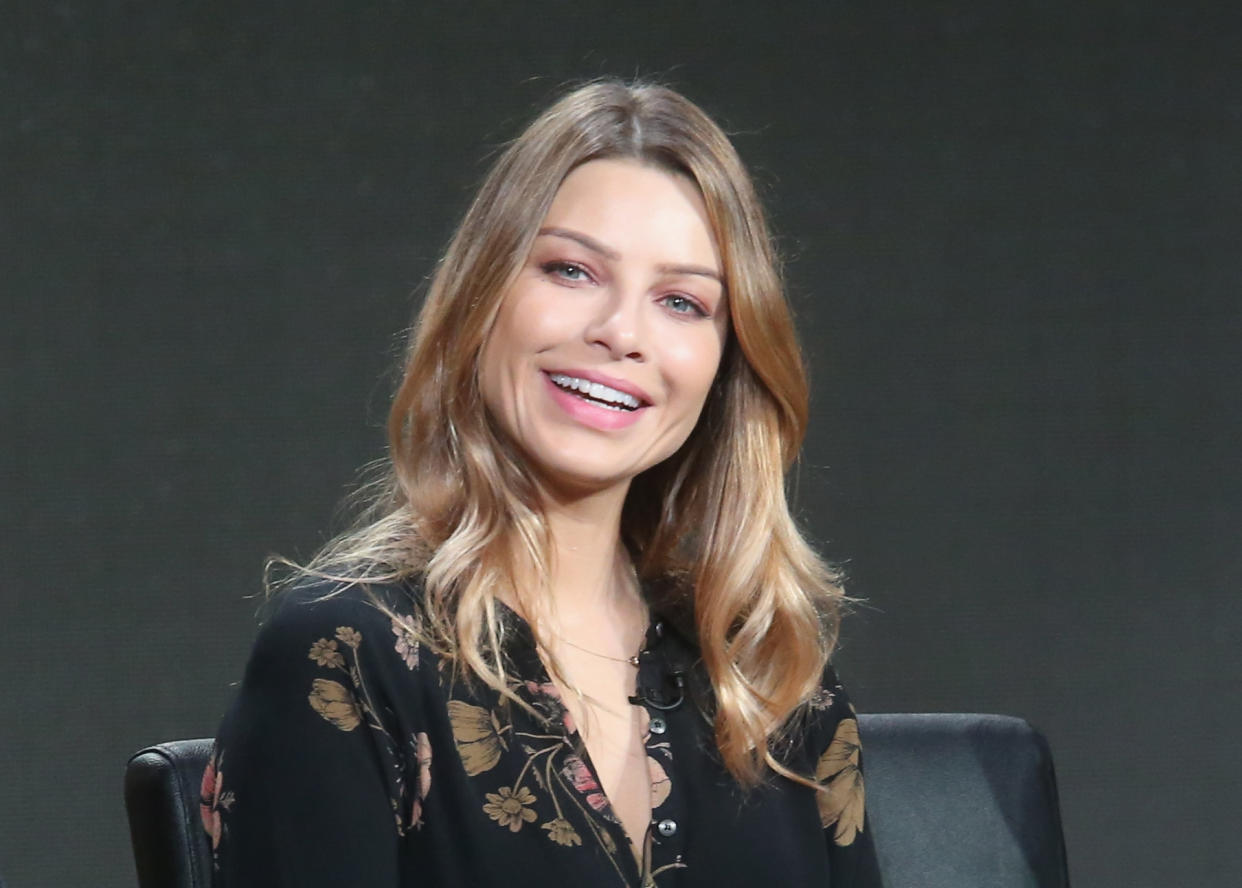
(618, 325)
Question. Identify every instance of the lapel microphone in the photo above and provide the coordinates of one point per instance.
(656, 700)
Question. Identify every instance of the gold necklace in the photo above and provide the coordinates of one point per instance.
(633, 661)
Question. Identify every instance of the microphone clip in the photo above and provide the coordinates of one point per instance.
(656, 700)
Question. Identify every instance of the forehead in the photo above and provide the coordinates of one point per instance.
(625, 203)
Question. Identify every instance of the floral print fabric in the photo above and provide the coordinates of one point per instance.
(352, 756)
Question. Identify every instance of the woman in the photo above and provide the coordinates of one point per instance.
(579, 639)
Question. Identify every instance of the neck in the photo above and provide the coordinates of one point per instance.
(590, 582)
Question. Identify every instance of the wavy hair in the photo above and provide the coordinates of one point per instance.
(459, 509)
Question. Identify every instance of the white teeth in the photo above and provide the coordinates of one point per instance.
(596, 390)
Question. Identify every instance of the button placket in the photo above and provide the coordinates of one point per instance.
(662, 694)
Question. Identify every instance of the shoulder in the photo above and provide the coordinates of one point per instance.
(831, 696)
(316, 604)
(828, 710)
(347, 650)
(826, 720)
(331, 707)
(319, 619)
(836, 751)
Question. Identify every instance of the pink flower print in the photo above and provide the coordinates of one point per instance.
(212, 800)
(577, 773)
(660, 784)
(208, 793)
(822, 699)
(407, 643)
(422, 754)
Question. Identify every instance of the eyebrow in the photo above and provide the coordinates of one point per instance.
(612, 255)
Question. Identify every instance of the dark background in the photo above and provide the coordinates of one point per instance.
(1012, 234)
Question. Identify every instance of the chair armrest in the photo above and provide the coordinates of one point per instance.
(162, 789)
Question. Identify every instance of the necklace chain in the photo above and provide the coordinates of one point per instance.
(632, 661)
(629, 661)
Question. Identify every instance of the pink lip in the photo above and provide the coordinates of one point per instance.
(592, 415)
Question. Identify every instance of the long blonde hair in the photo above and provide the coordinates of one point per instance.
(459, 509)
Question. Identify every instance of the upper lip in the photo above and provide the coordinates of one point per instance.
(620, 385)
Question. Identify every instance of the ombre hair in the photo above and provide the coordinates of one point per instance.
(458, 509)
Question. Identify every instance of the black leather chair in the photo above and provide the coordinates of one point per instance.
(954, 801)
(962, 801)
(163, 784)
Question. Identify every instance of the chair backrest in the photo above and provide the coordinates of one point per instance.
(163, 784)
(953, 801)
(957, 800)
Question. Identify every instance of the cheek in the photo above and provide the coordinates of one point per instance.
(529, 322)
(692, 364)
(505, 344)
(491, 357)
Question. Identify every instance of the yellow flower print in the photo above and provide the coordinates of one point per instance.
(325, 653)
(509, 808)
(349, 635)
(605, 839)
(562, 832)
(843, 800)
(333, 701)
(476, 732)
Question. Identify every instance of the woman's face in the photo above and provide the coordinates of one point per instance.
(607, 343)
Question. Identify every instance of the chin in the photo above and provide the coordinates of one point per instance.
(568, 472)
(583, 483)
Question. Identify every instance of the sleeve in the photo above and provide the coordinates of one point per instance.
(842, 802)
(307, 785)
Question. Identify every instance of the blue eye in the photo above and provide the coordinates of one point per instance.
(683, 305)
(566, 271)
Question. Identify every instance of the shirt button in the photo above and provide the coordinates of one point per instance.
(658, 725)
(667, 828)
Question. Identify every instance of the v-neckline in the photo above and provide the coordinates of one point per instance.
(523, 653)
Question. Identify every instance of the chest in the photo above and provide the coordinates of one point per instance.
(527, 800)
(612, 731)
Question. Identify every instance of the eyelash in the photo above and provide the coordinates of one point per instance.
(693, 305)
(559, 268)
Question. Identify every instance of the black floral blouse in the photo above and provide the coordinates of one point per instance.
(351, 756)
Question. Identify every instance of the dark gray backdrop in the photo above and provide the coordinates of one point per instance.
(1012, 234)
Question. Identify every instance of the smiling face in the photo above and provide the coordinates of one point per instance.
(607, 343)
